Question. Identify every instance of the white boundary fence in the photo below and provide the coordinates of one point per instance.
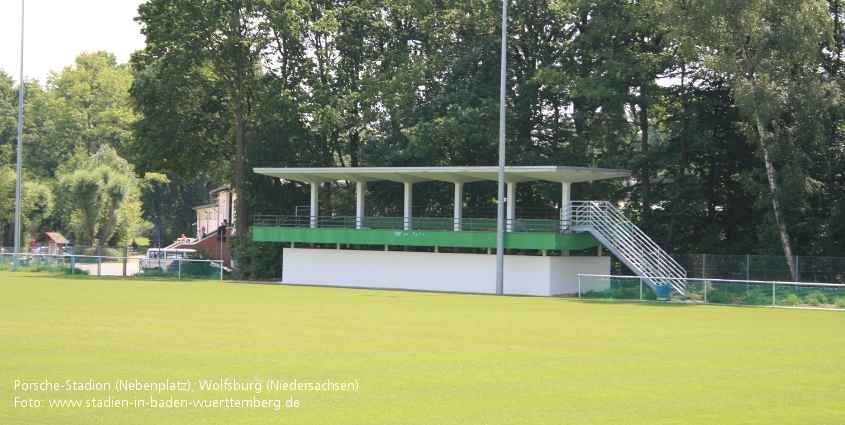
(720, 291)
(102, 265)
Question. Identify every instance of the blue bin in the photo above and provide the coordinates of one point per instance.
(662, 292)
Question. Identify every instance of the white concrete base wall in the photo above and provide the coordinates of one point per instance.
(476, 273)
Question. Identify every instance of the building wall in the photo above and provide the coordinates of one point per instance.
(213, 249)
(447, 272)
(564, 282)
(225, 206)
(211, 216)
(206, 217)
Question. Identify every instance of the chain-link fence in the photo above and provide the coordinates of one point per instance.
(763, 267)
(719, 291)
(77, 261)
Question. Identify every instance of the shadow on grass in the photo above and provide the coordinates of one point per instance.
(665, 304)
(67, 276)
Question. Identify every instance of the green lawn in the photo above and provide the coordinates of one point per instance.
(417, 358)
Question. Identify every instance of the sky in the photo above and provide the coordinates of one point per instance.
(56, 31)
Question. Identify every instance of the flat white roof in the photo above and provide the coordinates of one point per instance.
(447, 174)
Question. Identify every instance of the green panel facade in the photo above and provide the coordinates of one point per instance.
(446, 238)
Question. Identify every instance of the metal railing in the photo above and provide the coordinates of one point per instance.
(545, 213)
(413, 223)
(719, 291)
(630, 244)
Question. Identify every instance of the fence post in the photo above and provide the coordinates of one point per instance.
(774, 296)
(124, 261)
(579, 280)
(704, 266)
(99, 258)
(797, 270)
(72, 261)
(705, 291)
(641, 289)
(747, 266)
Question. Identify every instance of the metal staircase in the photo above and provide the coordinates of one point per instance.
(626, 241)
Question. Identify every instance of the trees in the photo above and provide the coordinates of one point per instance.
(8, 118)
(89, 100)
(672, 89)
(81, 108)
(36, 206)
(770, 50)
(212, 52)
(99, 198)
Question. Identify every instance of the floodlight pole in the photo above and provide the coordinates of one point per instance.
(500, 221)
(15, 258)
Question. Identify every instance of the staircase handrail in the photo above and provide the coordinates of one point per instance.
(637, 239)
(642, 252)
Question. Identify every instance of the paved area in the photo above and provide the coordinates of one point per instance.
(111, 269)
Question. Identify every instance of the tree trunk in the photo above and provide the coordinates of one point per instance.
(240, 160)
(763, 134)
(89, 230)
(354, 140)
(104, 234)
(239, 221)
(679, 178)
(646, 172)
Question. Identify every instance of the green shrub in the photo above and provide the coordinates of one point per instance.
(625, 290)
(197, 270)
(840, 303)
(759, 298)
(259, 260)
(594, 294)
(815, 298)
(43, 268)
(717, 296)
(790, 299)
(113, 252)
(151, 273)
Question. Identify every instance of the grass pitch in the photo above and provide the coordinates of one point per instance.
(417, 358)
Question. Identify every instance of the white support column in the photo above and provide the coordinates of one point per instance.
(566, 216)
(511, 204)
(315, 192)
(409, 196)
(459, 205)
(359, 204)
